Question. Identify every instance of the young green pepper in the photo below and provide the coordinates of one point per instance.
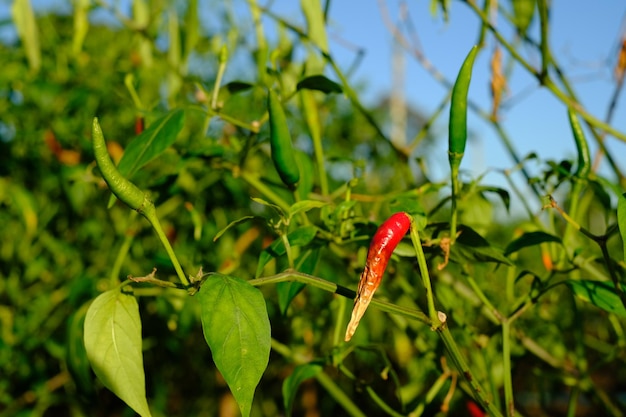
(457, 130)
(123, 189)
(283, 154)
(457, 133)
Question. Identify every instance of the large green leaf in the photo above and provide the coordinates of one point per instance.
(621, 219)
(601, 294)
(237, 329)
(113, 345)
(293, 381)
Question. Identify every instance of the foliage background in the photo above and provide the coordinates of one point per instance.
(62, 246)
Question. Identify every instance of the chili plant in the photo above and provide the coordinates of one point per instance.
(248, 199)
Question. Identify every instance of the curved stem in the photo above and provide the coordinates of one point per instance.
(421, 260)
(292, 275)
(461, 365)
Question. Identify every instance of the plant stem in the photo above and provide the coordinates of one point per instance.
(421, 261)
(149, 212)
(311, 115)
(254, 181)
(454, 173)
(338, 394)
(223, 58)
(461, 365)
(292, 275)
(545, 47)
(114, 276)
(506, 371)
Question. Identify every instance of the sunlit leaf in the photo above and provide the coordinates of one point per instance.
(26, 25)
(315, 22)
(290, 386)
(523, 10)
(113, 344)
(601, 294)
(237, 329)
(81, 24)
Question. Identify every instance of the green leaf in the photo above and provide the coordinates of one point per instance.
(231, 224)
(502, 193)
(599, 293)
(304, 206)
(237, 329)
(473, 247)
(299, 237)
(113, 345)
(152, 142)
(277, 208)
(81, 25)
(234, 87)
(319, 83)
(621, 219)
(26, 25)
(314, 14)
(530, 239)
(290, 386)
(523, 10)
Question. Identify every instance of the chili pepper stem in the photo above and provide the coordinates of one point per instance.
(421, 260)
(454, 173)
(479, 393)
(150, 214)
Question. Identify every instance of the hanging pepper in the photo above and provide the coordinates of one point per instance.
(385, 240)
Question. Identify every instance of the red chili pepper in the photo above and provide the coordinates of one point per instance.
(385, 240)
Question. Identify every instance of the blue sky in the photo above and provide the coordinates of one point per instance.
(585, 39)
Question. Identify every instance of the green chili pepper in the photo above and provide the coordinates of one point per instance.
(280, 141)
(123, 189)
(457, 133)
(584, 160)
